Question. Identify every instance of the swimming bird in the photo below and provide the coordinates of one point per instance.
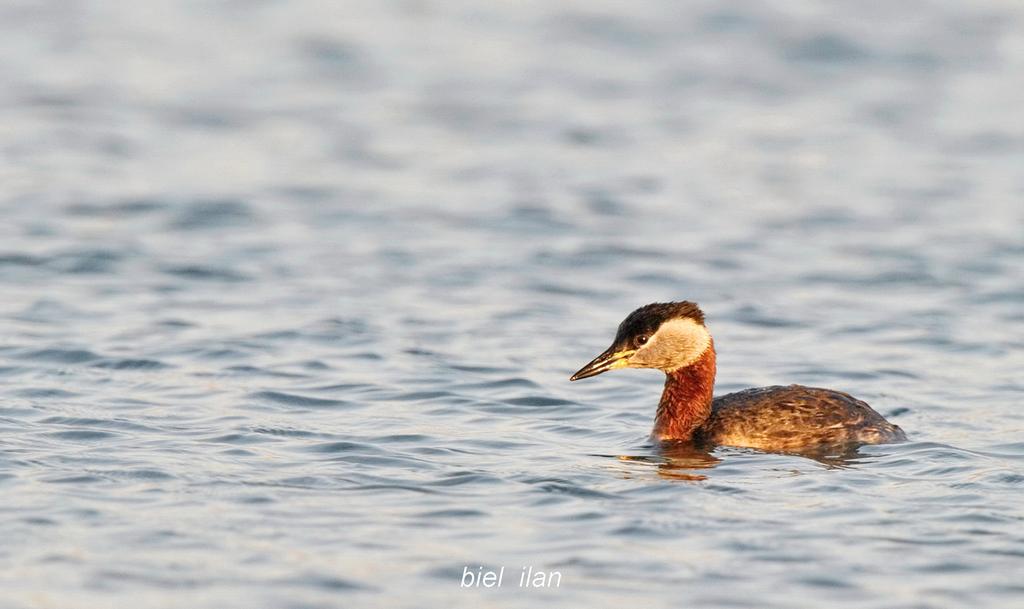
(672, 337)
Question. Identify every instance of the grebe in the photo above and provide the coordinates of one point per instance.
(672, 337)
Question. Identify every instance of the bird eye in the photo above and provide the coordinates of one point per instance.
(641, 340)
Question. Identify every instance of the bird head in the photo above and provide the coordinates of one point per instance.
(662, 335)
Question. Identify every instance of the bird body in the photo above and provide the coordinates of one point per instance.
(672, 337)
(793, 418)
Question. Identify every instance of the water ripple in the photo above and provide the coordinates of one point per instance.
(291, 399)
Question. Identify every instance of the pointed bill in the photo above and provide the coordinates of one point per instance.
(609, 360)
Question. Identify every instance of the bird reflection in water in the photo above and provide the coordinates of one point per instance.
(686, 460)
(675, 460)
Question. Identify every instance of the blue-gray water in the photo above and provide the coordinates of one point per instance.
(290, 293)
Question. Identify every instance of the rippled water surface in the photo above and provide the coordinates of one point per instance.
(290, 293)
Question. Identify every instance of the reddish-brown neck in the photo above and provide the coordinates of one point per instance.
(686, 402)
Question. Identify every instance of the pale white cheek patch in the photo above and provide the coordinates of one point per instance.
(677, 343)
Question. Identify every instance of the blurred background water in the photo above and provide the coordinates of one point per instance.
(290, 292)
